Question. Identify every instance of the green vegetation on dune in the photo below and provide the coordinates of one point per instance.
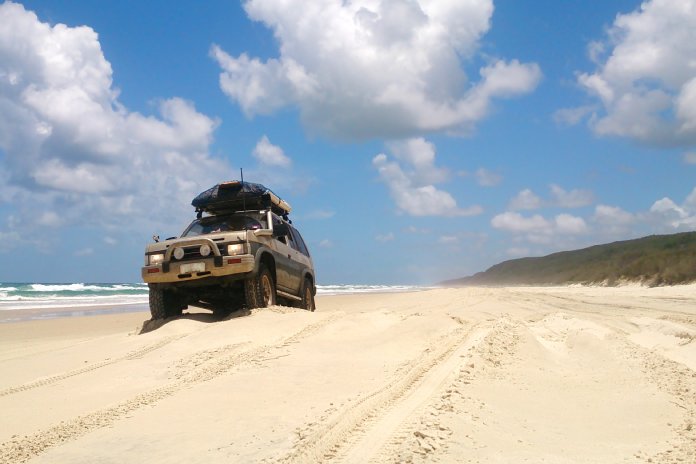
(654, 260)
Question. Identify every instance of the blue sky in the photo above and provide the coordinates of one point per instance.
(417, 141)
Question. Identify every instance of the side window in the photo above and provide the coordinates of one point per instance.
(291, 239)
(301, 247)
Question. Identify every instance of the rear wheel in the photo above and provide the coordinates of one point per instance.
(307, 296)
(259, 291)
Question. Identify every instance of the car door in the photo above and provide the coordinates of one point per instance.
(284, 264)
(302, 261)
(294, 269)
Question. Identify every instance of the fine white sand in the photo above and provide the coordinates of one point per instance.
(557, 375)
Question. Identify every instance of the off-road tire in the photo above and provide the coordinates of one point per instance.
(260, 291)
(307, 296)
(163, 304)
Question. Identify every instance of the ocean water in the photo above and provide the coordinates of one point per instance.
(36, 295)
(356, 288)
(15, 296)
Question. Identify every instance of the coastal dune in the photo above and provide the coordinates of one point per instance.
(558, 374)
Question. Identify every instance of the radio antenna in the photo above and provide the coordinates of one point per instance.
(241, 173)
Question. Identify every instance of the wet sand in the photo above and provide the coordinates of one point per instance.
(38, 314)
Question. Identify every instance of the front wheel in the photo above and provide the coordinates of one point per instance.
(163, 304)
(259, 291)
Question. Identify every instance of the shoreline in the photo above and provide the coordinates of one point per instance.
(60, 311)
(68, 309)
(29, 315)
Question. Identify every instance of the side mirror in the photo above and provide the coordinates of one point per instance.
(280, 229)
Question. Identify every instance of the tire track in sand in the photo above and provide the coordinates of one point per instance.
(679, 382)
(424, 435)
(382, 429)
(578, 304)
(345, 435)
(136, 354)
(18, 450)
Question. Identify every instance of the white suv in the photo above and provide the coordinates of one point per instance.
(242, 250)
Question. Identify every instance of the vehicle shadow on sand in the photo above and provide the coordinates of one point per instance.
(206, 318)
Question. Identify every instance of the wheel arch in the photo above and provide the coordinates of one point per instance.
(310, 275)
(265, 257)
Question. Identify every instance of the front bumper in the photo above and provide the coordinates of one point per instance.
(170, 272)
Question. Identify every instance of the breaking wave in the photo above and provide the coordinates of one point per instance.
(342, 289)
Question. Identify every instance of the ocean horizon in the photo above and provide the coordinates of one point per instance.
(28, 295)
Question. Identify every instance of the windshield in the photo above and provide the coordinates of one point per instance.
(215, 224)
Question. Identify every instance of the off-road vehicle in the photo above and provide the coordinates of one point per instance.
(241, 250)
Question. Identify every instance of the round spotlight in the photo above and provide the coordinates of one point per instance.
(178, 253)
(205, 250)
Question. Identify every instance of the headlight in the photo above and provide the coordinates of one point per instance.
(205, 250)
(155, 259)
(235, 249)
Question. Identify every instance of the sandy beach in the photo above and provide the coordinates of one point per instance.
(558, 375)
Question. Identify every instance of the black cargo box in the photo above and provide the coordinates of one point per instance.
(233, 196)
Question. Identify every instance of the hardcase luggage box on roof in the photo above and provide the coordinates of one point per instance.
(233, 196)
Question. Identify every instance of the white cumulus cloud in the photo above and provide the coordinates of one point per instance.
(72, 152)
(374, 68)
(419, 155)
(412, 188)
(671, 217)
(560, 198)
(269, 154)
(607, 223)
(645, 78)
(568, 224)
(613, 216)
(540, 230)
(525, 199)
(515, 222)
